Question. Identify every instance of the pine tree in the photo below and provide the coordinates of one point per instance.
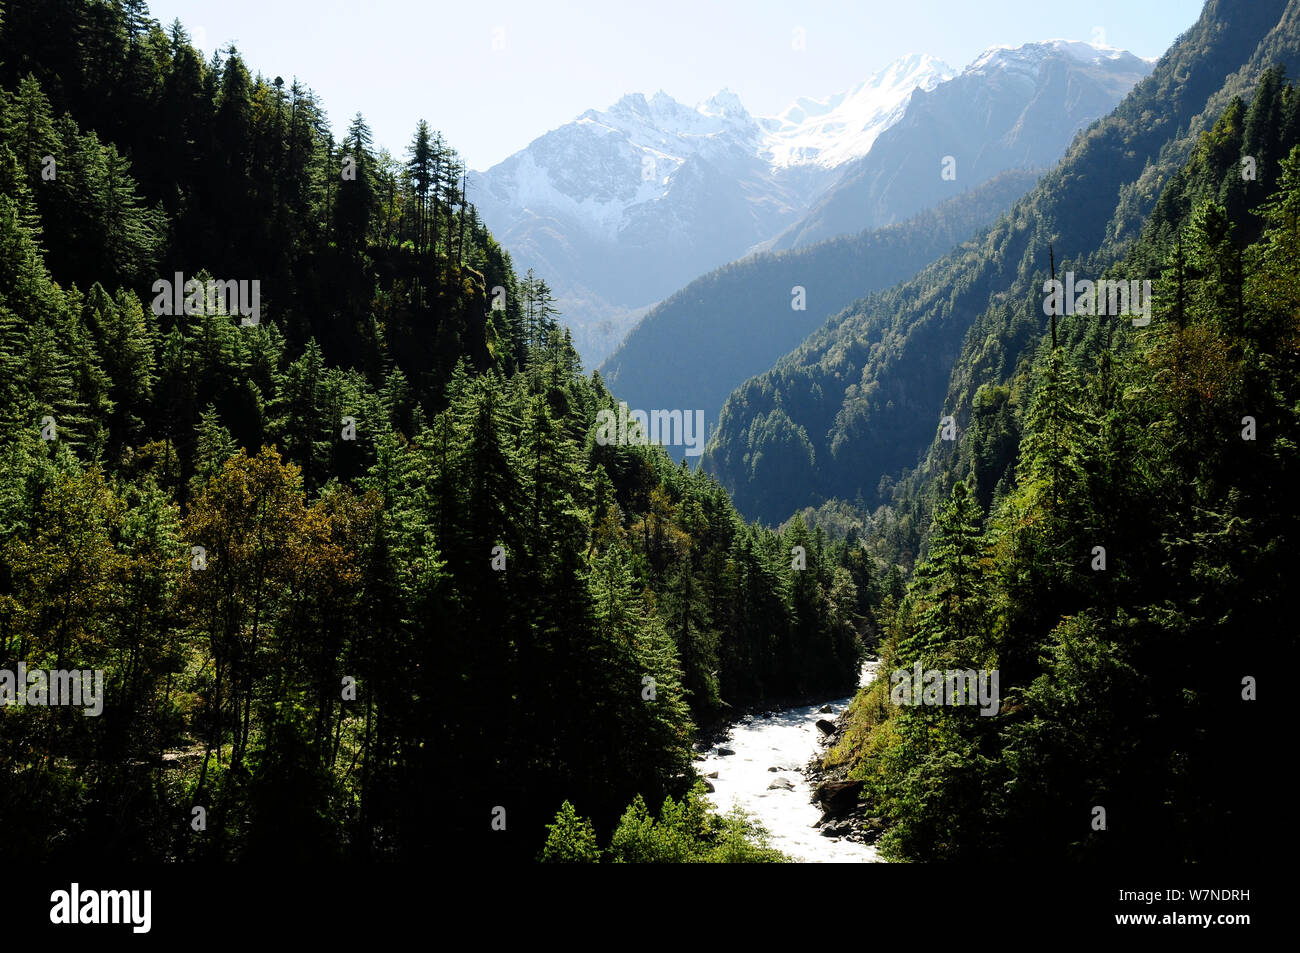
(214, 446)
(357, 201)
(952, 585)
(571, 839)
(420, 170)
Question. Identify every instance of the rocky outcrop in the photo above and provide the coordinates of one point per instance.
(844, 814)
(837, 797)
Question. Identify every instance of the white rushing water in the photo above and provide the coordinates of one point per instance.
(785, 740)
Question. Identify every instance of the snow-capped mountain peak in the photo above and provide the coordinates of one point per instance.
(820, 132)
(828, 132)
(1028, 58)
(723, 103)
(646, 163)
(661, 101)
(624, 204)
(1090, 52)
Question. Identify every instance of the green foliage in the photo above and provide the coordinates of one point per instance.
(571, 840)
(685, 832)
(1123, 585)
(280, 540)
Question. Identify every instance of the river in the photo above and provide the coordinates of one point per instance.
(785, 740)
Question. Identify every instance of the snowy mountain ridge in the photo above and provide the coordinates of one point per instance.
(621, 206)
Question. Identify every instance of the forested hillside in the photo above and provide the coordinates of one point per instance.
(361, 579)
(1128, 573)
(863, 397)
(702, 343)
(313, 483)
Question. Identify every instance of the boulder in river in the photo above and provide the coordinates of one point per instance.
(837, 829)
(826, 709)
(826, 727)
(712, 774)
(837, 797)
(723, 752)
(782, 784)
(708, 785)
(774, 768)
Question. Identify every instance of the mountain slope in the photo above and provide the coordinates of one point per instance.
(1010, 108)
(863, 397)
(1129, 445)
(692, 350)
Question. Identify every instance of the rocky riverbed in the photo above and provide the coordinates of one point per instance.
(843, 814)
(769, 764)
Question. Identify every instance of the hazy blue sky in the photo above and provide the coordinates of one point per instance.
(401, 60)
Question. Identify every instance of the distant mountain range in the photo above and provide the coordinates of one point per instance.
(619, 208)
